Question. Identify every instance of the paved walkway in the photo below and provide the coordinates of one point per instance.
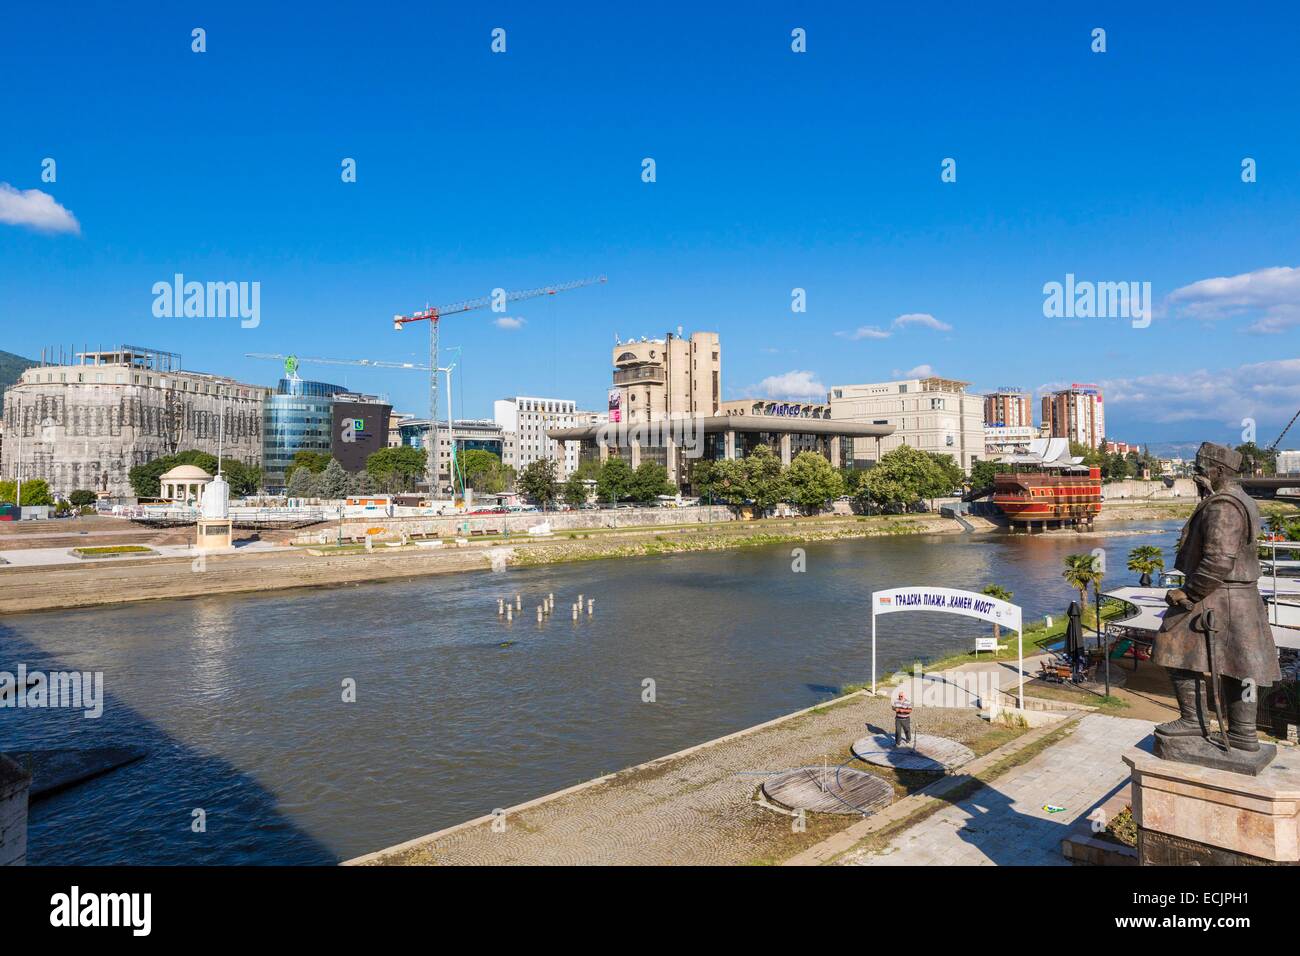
(1004, 824)
(43, 557)
(695, 807)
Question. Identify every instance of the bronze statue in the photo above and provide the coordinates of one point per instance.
(1217, 624)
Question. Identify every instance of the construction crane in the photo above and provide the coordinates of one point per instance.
(291, 362)
(432, 314)
(1278, 440)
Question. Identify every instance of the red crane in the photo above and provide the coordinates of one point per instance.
(432, 315)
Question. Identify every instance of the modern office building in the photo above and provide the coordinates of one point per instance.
(1288, 463)
(1008, 408)
(1076, 413)
(666, 378)
(86, 421)
(931, 414)
(303, 415)
(469, 435)
(527, 419)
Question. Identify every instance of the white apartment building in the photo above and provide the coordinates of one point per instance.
(524, 420)
(930, 414)
(1288, 463)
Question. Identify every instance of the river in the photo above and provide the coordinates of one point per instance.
(239, 699)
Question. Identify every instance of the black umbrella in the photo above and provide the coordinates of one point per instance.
(1074, 632)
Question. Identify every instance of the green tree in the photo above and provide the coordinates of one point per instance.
(1146, 560)
(244, 479)
(614, 483)
(82, 497)
(333, 480)
(304, 484)
(483, 471)
(313, 461)
(812, 481)
(360, 483)
(36, 492)
(900, 479)
(764, 476)
(730, 481)
(575, 491)
(649, 481)
(538, 481)
(982, 474)
(1080, 572)
(1262, 459)
(397, 469)
(947, 476)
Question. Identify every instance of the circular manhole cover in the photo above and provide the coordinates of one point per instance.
(829, 790)
(931, 753)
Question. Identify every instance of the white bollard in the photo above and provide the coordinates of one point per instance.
(575, 612)
(501, 606)
(539, 614)
(510, 614)
(579, 600)
(519, 603)
(591, 604)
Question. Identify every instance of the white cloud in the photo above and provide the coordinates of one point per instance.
(796, 384)
(36, 210)
(924, 319)
(509, 322)
(1268, 392)
(921, 371)
(864, 332)
(1272, 295)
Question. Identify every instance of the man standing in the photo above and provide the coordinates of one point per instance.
(1219, 556)
(902, 720)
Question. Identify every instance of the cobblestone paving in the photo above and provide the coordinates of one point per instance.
(1004, 824)
(694, 809)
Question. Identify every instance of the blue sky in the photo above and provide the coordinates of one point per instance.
(775, 170)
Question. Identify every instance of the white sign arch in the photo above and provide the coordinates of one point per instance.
(950, 601)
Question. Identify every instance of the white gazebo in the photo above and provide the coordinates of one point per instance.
(184, 484)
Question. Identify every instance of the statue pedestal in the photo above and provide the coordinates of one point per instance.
(1189, 815)
(214, 534)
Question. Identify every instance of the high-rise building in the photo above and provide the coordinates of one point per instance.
(931, 414)
(527, 418)
(672, 377)
(1008, 408)
(1076, 413)
(86, 421)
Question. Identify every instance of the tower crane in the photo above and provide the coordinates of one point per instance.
(432, 315)
(291, 362)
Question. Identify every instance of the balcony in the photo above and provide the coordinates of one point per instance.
(637, 376)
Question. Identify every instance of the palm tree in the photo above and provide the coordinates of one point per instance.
(1146, 560)
(1002, 594)
(1079, 569)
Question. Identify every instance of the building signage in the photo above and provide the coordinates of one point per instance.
(615, 405)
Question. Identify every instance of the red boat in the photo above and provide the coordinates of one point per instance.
(1048, 486)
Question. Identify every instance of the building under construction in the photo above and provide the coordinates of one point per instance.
(85, 419)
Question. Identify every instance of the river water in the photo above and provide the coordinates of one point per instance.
(239, 699)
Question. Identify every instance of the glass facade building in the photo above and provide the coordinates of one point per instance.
(296, 418)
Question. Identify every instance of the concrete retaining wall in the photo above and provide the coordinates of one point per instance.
(560, 521)
(14, 784)
(1134, 489)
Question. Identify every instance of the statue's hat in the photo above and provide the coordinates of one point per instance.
(1211, 454)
